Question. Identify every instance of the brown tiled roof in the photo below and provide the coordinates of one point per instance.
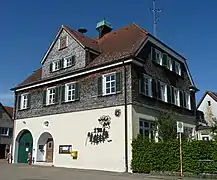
(112, 46)
(35, 76)
(9, 110)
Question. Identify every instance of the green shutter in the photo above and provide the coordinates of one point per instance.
(62, 91)
(181, 100)
(51, 67)
(141, 84)
(19, 102)
(164, 60)
(172, 95)
(153, 54)
(100, 86)
(118, 82)
(28, 101)
(56, 95)
(45, 97)
(77, 89)
(169, 98)
(154, 88)
(159, 90)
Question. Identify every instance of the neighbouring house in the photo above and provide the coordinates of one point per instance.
(207, 105)
(92, 96)
(6, 130)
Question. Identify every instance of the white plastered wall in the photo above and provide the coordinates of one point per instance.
(72, 129)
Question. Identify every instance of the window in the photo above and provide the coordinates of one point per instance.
(176, 97)
(169, 64)
(188, 101)
(63, 42)
(4, 131)
(146, 128)
(24, 98)
(158, 56)
(109, 84)
(209, 103)
(69, 61)
(147, 86)
(70, 92)
(56, 65)
(177, 68)
(163, 91)
(51, 96)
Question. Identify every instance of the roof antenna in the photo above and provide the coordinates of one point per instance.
(155, 11)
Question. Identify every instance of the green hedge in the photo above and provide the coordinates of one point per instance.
(164, 156)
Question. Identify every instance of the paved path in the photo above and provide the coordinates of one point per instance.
(25, 172)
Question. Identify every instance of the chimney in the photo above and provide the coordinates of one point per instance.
(103, 27)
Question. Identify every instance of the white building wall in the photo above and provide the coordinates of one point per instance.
(72, 129)
(209, 111)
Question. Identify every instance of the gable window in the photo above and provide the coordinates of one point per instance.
(4, 131)
(177, 68)
(146, 128)
(51, 92)
(56, 65)
(209, 103)
(146, 86)
(163, 91)
(69, 61)
(63, 42)
(70, 92)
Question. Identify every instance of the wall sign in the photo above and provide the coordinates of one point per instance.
(65, 149)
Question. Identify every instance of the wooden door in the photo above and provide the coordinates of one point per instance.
(49, 150)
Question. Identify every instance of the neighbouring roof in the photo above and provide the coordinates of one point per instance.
(211, 94)
(9, 110)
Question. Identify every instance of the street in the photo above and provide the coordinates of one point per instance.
(25, 172)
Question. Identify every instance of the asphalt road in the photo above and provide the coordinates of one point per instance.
(25, 172)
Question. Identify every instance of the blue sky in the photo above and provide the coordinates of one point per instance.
(28, 28)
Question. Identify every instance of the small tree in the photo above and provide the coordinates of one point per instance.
(166, 126)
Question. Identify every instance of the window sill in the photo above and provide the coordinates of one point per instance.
(23, 109)
(51, 104)
(110, 94)
(65, 102)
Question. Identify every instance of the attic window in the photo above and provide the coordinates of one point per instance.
(209, 103)
(63, 42)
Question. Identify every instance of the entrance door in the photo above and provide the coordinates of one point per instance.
(2, 151)
(25, 146)
(49, 150)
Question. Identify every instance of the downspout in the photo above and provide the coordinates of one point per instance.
(125, 115)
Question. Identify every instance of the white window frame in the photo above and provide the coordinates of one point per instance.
(54, 66)
(4, 134)
(65, 61)
(158, 61)
(48, 95)
(105, 82)
(149, 79)
(176, 97)
(149, 128)
(178, 71)
(67, 92)
(163, 87)
(24, 101)
(169, 64)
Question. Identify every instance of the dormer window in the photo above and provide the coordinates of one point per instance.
(63, 42)
(177, 68)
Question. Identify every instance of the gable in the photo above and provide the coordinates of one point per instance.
(5, 116)
(64, 47)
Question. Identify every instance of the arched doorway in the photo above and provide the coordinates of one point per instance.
(25, 144)
(45, 148)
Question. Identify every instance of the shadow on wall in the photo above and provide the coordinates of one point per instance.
(100, 134)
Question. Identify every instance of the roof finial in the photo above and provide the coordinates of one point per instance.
(155, 11)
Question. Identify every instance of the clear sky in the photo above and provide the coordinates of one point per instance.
(28, 28)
